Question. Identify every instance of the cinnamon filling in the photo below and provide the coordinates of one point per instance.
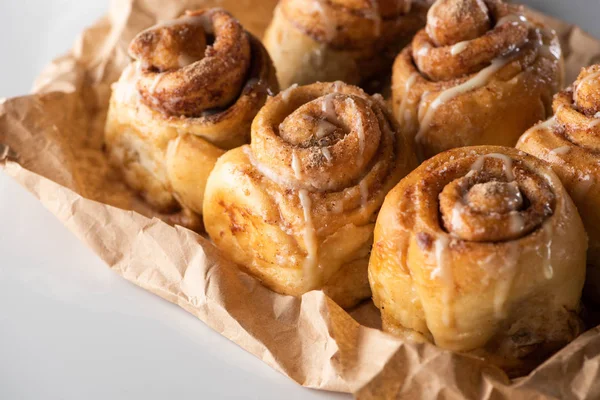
(346, 23)
(323, 137)
(463, 37)
(498, 200)
(194, 64)
(577, 110)
(450, 21)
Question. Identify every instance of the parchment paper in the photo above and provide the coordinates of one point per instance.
(51, 143)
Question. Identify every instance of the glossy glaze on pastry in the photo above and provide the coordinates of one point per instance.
(480, 73)
(191, 93)
(348, 40)
(296, 208)
(481, 250)
(570, 142)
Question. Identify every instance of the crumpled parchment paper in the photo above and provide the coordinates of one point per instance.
(51, 143)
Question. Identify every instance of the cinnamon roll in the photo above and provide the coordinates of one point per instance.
(348, 40)
(296, 208)
(481, 250)
(570, 142)
(191, 93)
(479, 73)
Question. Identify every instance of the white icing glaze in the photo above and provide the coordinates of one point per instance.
(443, 271)
(282, 179)
(364, 192)
(358, 127)
(402, 111)
(264, 170)
(311, 263)
(459, 47)
(588, 78)
(505, 280)
(296, 166)
(550, 51)
(561, 150)
(516, 200)
(595, 123)
(456, 218)
(378, 98)
(543, 49)
(506, 160)
(423, 50)
(324, 128)
(285, 95)
(479, 80)
(517, 222)
(328, 107)
(513, 19)
(549, 124)
(548, 232)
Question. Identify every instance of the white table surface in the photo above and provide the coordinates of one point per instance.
(72, 329)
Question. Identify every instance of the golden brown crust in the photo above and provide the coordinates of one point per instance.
(518, 202)
(448, 269)
(570, 142)
(478, 90)
(201, 82)
(349, 40)
(443, 63)
(296, 208)
(453, 21)
(169, 120)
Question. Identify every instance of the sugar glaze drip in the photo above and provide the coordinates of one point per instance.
(476, 82)
(311, 263)
(402, 112)
(443, 271)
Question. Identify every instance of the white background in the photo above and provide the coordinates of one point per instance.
(72, 329)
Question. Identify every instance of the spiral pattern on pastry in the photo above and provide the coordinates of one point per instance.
(481, 250)
(191, 93)
(479, 73)
(570, 142)
(296, 208)
(348, 40)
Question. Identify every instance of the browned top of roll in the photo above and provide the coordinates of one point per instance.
(193, 64)
(495, 197)
(577, 109)
(346, 23)
(464, 36)
(487, 194)
(323, 137)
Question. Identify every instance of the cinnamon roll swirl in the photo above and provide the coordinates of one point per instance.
(296, 208)
(348, 40)
(481, 250)
(191, 93)
(570, 142)
(479, 73)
